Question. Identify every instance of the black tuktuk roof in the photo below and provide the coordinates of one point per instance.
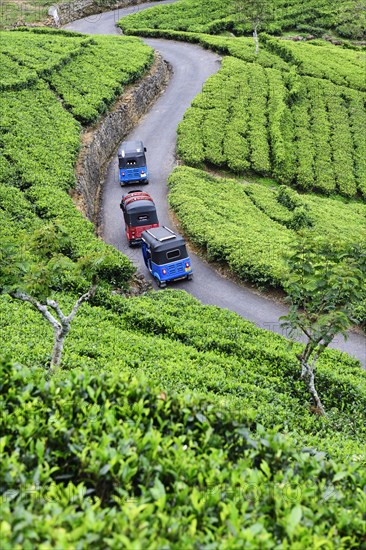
(131, 149)
(140, 205)
(162, 238)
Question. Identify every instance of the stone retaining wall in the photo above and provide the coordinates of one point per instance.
(100, 143)
(72, 11)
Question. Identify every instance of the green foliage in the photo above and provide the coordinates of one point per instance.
(40, 139)
(250, 227)
(86, 73)
(90, 82)
(341, 140)
(39, 263)
(245, 370)
(106, 460)
(325, 281)
(306, 132)
(346, 17)
(35, 56)
(110, 461)
(320, 59)
(302, 131)
(35, 127)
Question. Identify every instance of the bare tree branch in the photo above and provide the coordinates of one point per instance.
(40, 307)
(84, 298)
(56, 307)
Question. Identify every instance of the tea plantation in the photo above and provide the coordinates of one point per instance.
(108, 452)
(257, 223)
(346, 18)
(295, 114)
(157, 432)
(303, 131)
(48, 91)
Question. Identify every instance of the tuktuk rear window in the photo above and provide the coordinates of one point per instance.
(173, 254)
(132, 162)
(143, 218)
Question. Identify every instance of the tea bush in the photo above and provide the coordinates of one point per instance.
(40, 139)
(214, 353)
(319, 59)
(90, 82)
(87, 73)
(250, 227)
(109, 460)
(303, 131)
(29, 56)
(345, 18)
(113, 451)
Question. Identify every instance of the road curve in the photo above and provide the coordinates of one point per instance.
(192, 65)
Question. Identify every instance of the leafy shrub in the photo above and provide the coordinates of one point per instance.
(40, 139)
(257, 224)
(216, 16)
(110, 459)
(288, 198)
(301, 218)
(302, 131)
(91, 81)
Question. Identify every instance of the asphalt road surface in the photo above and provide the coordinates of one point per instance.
(192, 65)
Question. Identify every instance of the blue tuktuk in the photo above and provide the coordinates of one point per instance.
(132, 163)
(165, 255)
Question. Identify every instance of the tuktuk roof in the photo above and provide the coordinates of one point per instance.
(131, 149)
(162, 238)
(141, 205)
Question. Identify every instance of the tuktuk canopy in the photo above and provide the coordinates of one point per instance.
(164, 245)
(131, 154)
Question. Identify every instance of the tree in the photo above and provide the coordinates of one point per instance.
(33, 267)
(253, 12)
(325, 284)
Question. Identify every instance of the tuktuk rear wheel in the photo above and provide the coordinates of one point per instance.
(189, 277)
(161, 284)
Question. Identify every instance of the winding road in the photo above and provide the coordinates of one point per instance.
(192, 65)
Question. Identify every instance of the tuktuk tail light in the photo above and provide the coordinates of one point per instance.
(187, 264)
(123, 173)
(143, 173)
(163, 271)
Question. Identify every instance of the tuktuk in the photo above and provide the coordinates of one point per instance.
(165, 255)
(139, 213)
(132, 163)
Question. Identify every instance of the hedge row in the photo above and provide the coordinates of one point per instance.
(357, 119)
(31, 56)
(341, 66)
(214, 353)
(86, 73)
(241, 47)
(250, 227)
(217, 16)
(92, 81)
(40, 139)
(302, 131)
(341, 141)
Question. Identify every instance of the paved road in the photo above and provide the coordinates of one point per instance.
(192, 66)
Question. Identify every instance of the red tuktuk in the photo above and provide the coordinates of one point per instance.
(139, 213)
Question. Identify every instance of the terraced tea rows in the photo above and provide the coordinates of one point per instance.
(40, 138)
(346, 18)
(303, 131)
(249, 228)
